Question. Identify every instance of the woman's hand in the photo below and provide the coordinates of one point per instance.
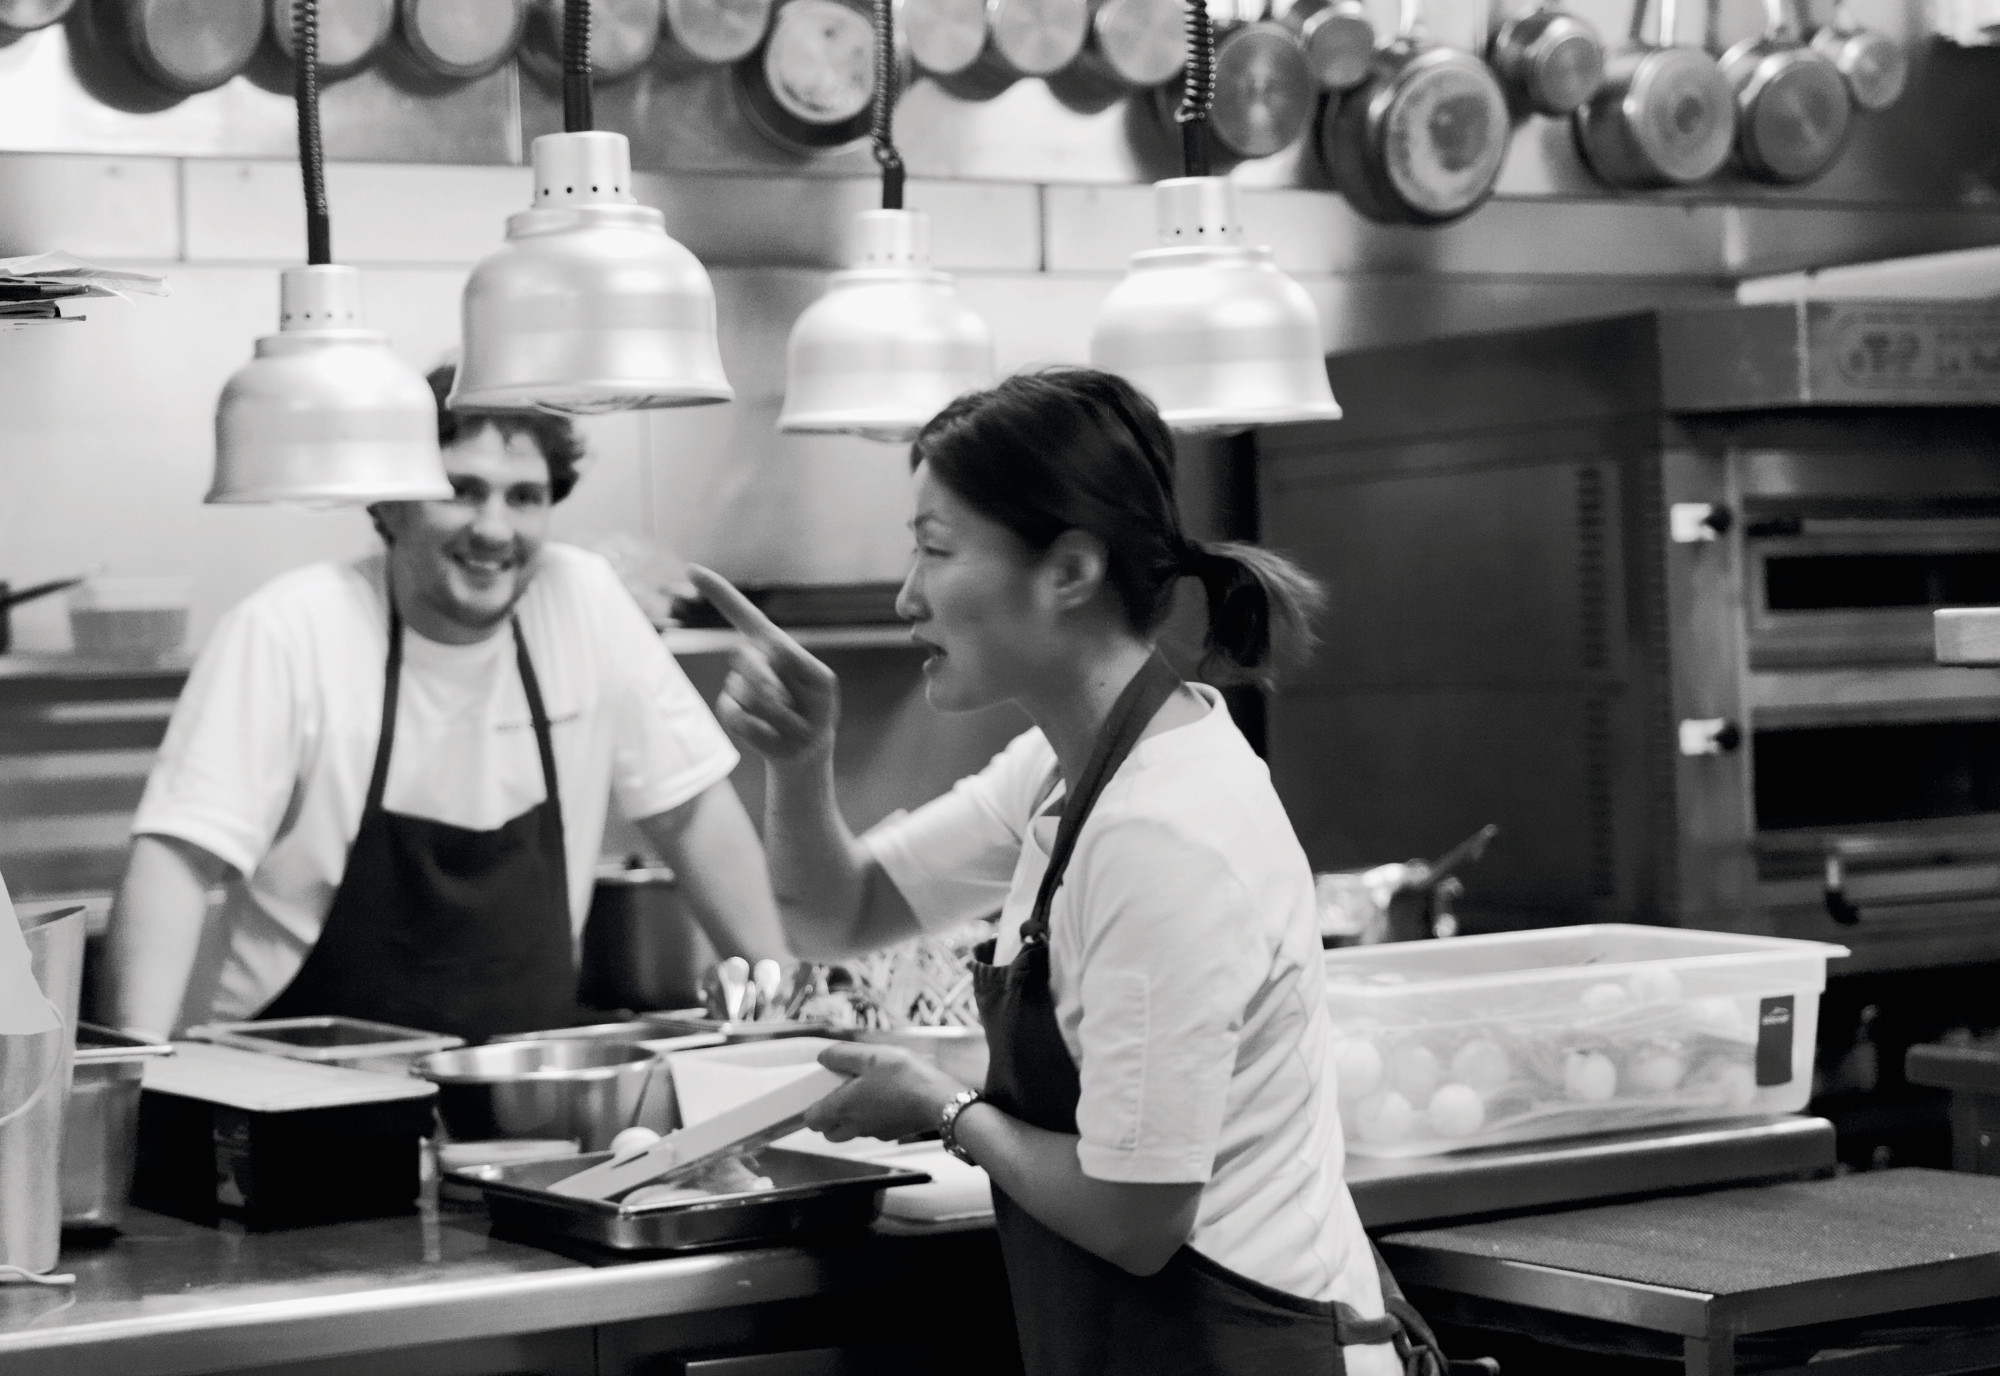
(893, 1094)
(777, 699)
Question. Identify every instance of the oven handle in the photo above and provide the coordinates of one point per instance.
(1842, 851)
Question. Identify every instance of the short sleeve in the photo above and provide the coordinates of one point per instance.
(1167, 968)
(235, 747)
(953, 858)
(667, 747)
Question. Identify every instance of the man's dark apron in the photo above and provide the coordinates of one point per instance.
(1079, 1315)
(439, 927)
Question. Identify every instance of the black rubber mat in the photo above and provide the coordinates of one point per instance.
(1733, 1242)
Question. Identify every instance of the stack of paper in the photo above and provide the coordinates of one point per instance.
(33, 288)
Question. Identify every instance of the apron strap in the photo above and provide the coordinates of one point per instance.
(392, 675)
(1130, 715)
(532, 688)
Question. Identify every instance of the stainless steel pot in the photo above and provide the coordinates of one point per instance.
(1875, 66)
(1793, 112)
(641, 950)
(711, 33)
(1137, 43)
(1665, 115)
(1264, 92)
(19, 16)
(101, 1125)
(586, 1089)
(182, 46)
(809, 85)
(1549, 60)
(944, 37)
(1339, 40)
(462, 39)
(351, 32)
(624, 34)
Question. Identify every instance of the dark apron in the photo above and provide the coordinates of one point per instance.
(443, 928)
(1079, 1315)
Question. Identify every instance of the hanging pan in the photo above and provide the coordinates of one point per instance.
(696, 34)
(1875, 66)
(1793, 111)
(1549, 60)
(944, 36)
(461, 39)
(182, 46)
(1264, 92)
(624, 34)
(1422, 139)
(1339, 40)
(1138, 44)
(809, 84)
(19, 16)
(351, 32)
(1664, 115)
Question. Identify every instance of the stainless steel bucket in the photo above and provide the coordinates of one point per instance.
(34, 1094)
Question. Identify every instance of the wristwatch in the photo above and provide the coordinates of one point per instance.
(948, 1121)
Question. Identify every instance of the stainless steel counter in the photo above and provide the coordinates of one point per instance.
(168, 1298)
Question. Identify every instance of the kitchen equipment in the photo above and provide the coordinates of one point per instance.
(1339, 40)
(1518, 1036)
(696, 34)
(462, 39)
(34, 1092)
(768, 978)
(641, 948)
(1793, 111)
(958, 1051)
(808, 86)
(1264, 93)
(353, 1042)
(11, 598)
(586, 1088)
(1029, 38)
(945, 37)
(19, 16)
(101, 1125)
(623, 37)
(683, 1022)
(1665, 115)
(1550, 60)
(1137, 44)
(810, 1194)
(184, 46)
(730, 990)
(135, 617)
(274, 1142)
(351, 32)
(1708, 667)
(1422, 139)
(1875, 66)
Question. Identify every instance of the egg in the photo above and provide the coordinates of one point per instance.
(1457, 1111)
(1720, 1017)
(1654, 984)
(1656, 1069)
(1589, 1076)
(1606, 997)
(1415, 1071)
(1729, 1083)
(632, 1141)
(1357, 1068)
(1481, 1064)
(1386, 1119)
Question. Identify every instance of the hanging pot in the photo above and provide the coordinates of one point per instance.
(1793, 112)
(1339, 39)
(624, 34)
(462, 39)
(1031, 38)
(1875, 66)
(1549, 60)
(350, 32)
(944, 37)
(1663, 117)
(809, 84)
(183, 46)
(1139, 44)
(1264, 93)
(711, 33)
(1422, 139)
(19, 16)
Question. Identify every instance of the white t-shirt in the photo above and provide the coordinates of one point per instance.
(1185, 961)
(267, 759)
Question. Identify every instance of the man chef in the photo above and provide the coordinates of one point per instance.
(401, 765)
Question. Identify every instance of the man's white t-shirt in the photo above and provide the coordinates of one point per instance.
(267, 759)
(1185, 961)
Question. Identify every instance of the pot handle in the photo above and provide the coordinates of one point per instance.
(1778, 20)
(1410, 20)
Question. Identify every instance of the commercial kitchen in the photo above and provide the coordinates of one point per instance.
(1624, 373)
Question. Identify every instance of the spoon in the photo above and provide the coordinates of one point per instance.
(769, 979)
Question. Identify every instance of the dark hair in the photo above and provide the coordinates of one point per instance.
(554, 435)
(1078, 449)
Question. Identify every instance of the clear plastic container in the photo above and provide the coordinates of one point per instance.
(1562, 1031)
(128, 617)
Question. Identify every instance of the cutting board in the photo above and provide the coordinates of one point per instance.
(257, 1083)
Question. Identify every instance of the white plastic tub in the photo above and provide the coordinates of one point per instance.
(135, 617)
(1562, 1031)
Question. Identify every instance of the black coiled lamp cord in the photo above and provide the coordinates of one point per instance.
(1197, 89)
(886, 156)
(577, 114)
(312, 156)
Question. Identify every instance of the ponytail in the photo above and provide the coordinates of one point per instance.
(1261, 608)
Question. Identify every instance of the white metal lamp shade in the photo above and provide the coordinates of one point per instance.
(325, 414)
(889, 344)
(1208, 327)
(590, 306)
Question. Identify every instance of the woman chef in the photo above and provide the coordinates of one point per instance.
(1159, 1121)
(401, 767)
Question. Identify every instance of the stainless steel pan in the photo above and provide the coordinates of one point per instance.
(1793, 111)
(1549, 60)
(1665, 115)
(1339, 40)
(462, 39)
(1875, 66)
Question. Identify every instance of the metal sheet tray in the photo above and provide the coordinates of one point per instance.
(814, 1194)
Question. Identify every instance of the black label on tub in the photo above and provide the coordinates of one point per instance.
(1774, 1040)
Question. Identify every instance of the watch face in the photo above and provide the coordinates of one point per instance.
(820, 61)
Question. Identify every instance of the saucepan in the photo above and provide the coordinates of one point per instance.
(1339, 40)
(1876, 66)
(1264, 91)
(1793, 111)
(1550, 60)
(1665, 115)
(19, 16)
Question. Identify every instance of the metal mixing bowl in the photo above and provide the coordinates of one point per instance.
(588, 1090)
(960, 1052)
